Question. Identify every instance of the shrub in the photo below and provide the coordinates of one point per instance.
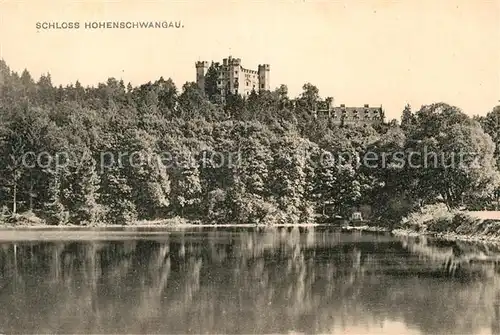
(25, 219)
(440, 224)
(436, 215)
(464, 223)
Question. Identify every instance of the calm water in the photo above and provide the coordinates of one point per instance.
(244, 281)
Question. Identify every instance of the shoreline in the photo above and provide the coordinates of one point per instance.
(167, 224)
(459, 225)
(153, 225)
(448, 236)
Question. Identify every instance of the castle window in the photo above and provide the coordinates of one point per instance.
(261, 85)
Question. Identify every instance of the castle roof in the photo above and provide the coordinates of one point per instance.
(353, 110)
(365, 112)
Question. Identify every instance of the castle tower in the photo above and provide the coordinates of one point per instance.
(264, 84)
(233, 78)
(201, 71)
(234, 75)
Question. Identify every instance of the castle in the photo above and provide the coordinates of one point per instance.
(233, 78)
(350, 115)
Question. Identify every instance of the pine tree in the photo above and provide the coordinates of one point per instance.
(211, 78)
(54, 210)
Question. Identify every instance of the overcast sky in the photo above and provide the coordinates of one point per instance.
(379, 52)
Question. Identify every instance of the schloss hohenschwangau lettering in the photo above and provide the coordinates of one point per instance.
(109, 25)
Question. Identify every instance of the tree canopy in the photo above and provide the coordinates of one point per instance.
(118, 153)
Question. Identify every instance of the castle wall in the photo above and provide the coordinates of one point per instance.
(249, 80)
(234, 78)
(201, 72)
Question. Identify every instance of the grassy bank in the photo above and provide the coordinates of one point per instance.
(438, 221)
(435, 220)
(30, 220)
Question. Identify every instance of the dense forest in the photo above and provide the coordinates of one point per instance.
(87, 155)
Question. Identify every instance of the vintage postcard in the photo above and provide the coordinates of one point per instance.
(250, 167)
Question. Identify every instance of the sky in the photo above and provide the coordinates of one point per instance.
(376, 52)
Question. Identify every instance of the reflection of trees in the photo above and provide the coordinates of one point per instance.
(271, 280)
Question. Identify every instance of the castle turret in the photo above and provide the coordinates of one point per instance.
(264, 84)
(233, 78)
(234, 74)
(201, 71)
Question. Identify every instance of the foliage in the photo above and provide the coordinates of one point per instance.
(154, 152)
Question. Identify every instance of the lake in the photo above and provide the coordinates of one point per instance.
(244, 280)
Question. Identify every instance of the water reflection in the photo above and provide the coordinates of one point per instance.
(249, 281)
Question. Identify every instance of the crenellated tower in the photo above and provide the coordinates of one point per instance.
(233, 78)
(264, 84)
(201, 72)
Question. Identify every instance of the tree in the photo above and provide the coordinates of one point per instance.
(391, 195)
(282, 94)
(407, 119)
(310, 95)
(235, 105)
(167, 96)
(278, 177)
(54, 210)
(456, 157)
(82, 190)
(147, 175)
(491, 126)
(289, 179)
(211, 80)
(46, 91)
(193, 103)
